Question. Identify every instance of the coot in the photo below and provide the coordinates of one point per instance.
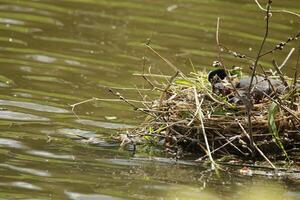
(261, 86)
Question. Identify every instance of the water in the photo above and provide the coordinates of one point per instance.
(57, 53)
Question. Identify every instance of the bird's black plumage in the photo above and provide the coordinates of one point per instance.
(261, 86)
(218, 72)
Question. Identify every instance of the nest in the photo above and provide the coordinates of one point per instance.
(189, 118)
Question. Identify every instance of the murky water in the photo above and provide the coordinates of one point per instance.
(54, 53)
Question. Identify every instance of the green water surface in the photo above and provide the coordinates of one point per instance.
(54, 53)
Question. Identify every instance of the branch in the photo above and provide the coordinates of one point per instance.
(249, 105)
(200, 116)
(277, 11)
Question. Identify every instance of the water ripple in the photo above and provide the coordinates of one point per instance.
(33, 106)
(4, 142)
(76, 132)
(28, 17)
(103, 124)
(42, 58)
(21, 184)
(79, 196)
(10, 115)
(27, 170)
(10, 21)
(47, 154)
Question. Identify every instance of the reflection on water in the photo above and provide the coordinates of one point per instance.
(22, 185)
(78, 196)
(107, 125)
(33, 106)
(9, 115)
(11, 143)
(56, 53)
(50, 155)
(26, 170)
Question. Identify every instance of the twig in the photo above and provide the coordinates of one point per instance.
(237, 54)
(293, 99)
(261, 46)
(109, 100)
(149, 82)
(282, 44)
(79, 103)
(144, 100)
(233, 145)
(281, 76)
(256, 147)
(194, 116)
(277, 11)
(249, 105)
(166, 60)
(73, 106)
(287, 58)
(245, 101)
(144, 65)
(123, 88)
(152, 75)
(200, 116)
(117, 94)
(167, 88)
(297, 68)
(221, 60)
(229, 141)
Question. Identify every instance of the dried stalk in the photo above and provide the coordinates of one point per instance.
(166, 61)
(228, 141)
(281, 76)
(249, 104)
(277, 11)
(201, 116)
(256, 147)
(287, 58)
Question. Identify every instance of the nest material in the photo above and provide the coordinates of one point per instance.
(188, 112)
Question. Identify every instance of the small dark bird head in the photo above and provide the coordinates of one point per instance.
(215, 77)
(219, 73)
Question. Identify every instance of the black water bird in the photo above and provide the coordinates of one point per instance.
(261, 87)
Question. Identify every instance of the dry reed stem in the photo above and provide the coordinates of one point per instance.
(167, 88)
(256, 147)
(201, 116)
(297, 68)
(229, 141)
(166, 60)
(281, 76)
(287, 58)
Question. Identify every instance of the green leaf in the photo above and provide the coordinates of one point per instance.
(273, 128)
(236, 72)
(151, 129)
(271, 120)
(148, 138)
(184, 82)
